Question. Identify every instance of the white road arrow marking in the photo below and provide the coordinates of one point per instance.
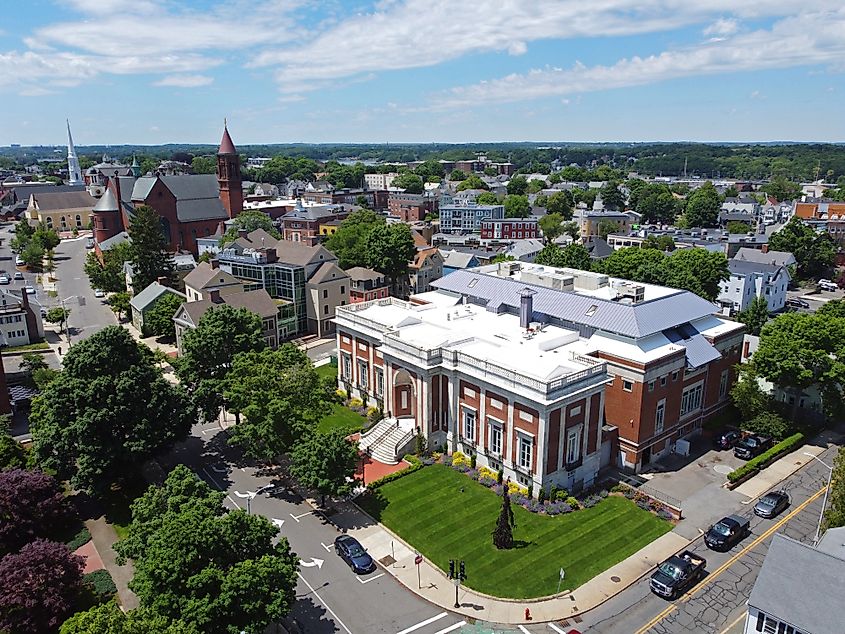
(310, 564)
(278, 522)
(248, 494)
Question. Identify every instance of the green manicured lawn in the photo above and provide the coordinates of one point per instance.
(341, 417)
(428, 509)
(39, 345)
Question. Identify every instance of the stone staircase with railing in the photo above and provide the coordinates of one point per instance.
(387, 440)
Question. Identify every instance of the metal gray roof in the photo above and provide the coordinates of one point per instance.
(150, 295)
(105, 245)
(630, 320)
(200, 209)
(107, 202)
(796, 585)
(744, 267)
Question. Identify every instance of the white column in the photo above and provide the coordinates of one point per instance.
(509, 437)
(482, 420)
(542, 441)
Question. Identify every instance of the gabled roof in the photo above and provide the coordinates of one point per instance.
(780, 258)
(105, 245)
(204, 276)
(197, 195)
(419, 241)
(258, 302)
(362, 274)
(55, 201)
(457, 260)
(328, 272)
(425, 254)
(300, 253)
(744, 267)
(150, 295)
(796, 585)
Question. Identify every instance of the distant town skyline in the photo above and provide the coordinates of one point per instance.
(149, 72)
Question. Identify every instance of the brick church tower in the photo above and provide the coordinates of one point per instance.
(229, 175)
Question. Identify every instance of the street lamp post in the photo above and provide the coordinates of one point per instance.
(65, 315)
(824, 500)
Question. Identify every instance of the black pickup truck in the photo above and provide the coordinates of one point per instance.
(677, 574)
(752, 446)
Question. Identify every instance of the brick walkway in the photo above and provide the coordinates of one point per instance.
(373, 469)
(93, 561)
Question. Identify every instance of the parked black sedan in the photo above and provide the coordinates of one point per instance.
(353, 553)
(771, 504)
(726, 532)
(727, 439)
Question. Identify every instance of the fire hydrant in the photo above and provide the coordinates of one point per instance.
(527, 614)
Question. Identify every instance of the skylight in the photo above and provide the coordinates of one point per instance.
(473, 282)
(592, 310)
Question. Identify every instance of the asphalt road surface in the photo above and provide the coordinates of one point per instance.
(7, 267)
(718, 603)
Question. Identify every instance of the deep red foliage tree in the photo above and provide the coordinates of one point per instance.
(31, 505)
(39, 587)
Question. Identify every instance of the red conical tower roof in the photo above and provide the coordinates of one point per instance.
(226, 145)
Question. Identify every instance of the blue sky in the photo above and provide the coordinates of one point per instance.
(161, 71)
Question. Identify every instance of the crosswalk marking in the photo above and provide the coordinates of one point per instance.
(407, 630)
(523, 630)
(556, 628)
(452, 628)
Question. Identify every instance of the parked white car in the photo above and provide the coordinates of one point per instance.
(828, 285)
(99, 292)
(30, 290)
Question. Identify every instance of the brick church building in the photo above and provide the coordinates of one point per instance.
(190, 206)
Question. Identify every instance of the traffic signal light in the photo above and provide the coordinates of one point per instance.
(463, 572)
(452, 569)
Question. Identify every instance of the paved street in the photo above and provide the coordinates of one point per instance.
(7, 266)
(718, 602)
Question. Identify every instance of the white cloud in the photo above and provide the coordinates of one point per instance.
(808, 39)
(420, 33)
(185, 81)
(722, 27)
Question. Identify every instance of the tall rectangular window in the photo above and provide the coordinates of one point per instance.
(573, 445)
(469, 425)
(379, 382)
(723, 383)
(496, 439)
(346, 367)
(660, 416)
(691, 398)
(525, 445)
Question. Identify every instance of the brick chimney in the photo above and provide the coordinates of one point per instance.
(243, 233)
(764, 248)
(215, 263)
(163, 280)
(214, 295)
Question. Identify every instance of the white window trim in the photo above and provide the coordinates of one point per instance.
(578, 431)
(521, 442)
(660, 409)
(464, 421)
(495, 426)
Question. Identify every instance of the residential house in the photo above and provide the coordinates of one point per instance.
(510, 229)
(765, 256)
(457, 260)
(20, 323)
(62, 211)
(426, 267)
(753, 279)
(283, 268)
(737, 241)
(327, 289)
(467, 218)
(524, 250)
(794, 589)
(258, 301)
(208, 276)
(665, 365)
(824, 216)
(145, 301)
(366, 284)
(303, 222)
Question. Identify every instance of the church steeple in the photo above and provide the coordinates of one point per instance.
(229, 175)
(74, 173)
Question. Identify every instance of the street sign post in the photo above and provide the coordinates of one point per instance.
(418, 560)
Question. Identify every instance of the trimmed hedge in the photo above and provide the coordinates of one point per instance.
(761, 461)
(80, 539)
(416, 465)
(101, 584)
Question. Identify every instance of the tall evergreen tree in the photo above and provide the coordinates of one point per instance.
(150, 258)
(503, 533)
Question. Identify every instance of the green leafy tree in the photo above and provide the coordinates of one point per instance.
(731, 192)
(215, 571)
(12, 455)
(490, 171)
(208, 352)
(108, 275)
(281, 399)
(572, 230)
(834, 308)
(782, 189)
(800, 350)
(586, 196)
(518, 185)
(150, 259)
(58, 315)
(661, 243)
(158, 322)
(769, 424)
(606, 227)
(47, 238)
(755, 316)
(560, 203)
(535, 186)
(697, 270)
(325, 463)
(430, 171)
(389, 249)
(611, 197)
(835, 514)
(457, 175)
(747, 395)
(411, 183)
(487, 198)
(573, 256)
(109, 618)
(250, 220)
(119, 303)
(33, 254)
(814, 252)
(736, 226)
(516, 206)
(632, 263)
(703, 206)
(552, 227)
(472, 181)
(32, 361)
(107, 412)
(502, 257)
(348, 242)
(656, 203)
(541, 200)
(204, 165)
(503, 533)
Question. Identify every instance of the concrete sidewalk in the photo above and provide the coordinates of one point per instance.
(104, 537)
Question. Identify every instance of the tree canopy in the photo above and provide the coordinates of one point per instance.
(410, 182)
(32, 505)
(552, 227)
(348, 242)
(518, 185)
(755, 316)
(108, 275)
(108, 618)
(107, 412)
(487, 198)
(814, 252)
(560, 203)
(835, 514)
(208, 352)
(158, 322)
(150, 259)
(516, 206)
(280, 396)
(472, 181)
(655, 202)
(782, 189)
(11, 453)
(249, 220)
(573, 256)
(325, 462)
(389, 249)
(703, 206)
(611, 197)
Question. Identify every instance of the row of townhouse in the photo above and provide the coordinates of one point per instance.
(548, 374)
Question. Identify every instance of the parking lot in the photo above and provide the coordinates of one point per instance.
(19, 277)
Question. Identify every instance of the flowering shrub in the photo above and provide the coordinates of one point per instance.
(557, 508)
(459, 458)
(461, 466)
(497, 489)
(447, 460)
(514, 488)
(488, 481)
(341, 394)
(472, 473)
(428, 460)
(571, 501)
(664, 514)
(356, 402)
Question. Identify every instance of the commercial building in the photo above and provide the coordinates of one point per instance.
(467, 218)
(379, 181)
(303, 222)
(595, 222)
(666, 361)
(509, 229)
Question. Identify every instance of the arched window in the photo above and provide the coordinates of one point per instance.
(78, 221)
(49, 222)
(63, 222)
